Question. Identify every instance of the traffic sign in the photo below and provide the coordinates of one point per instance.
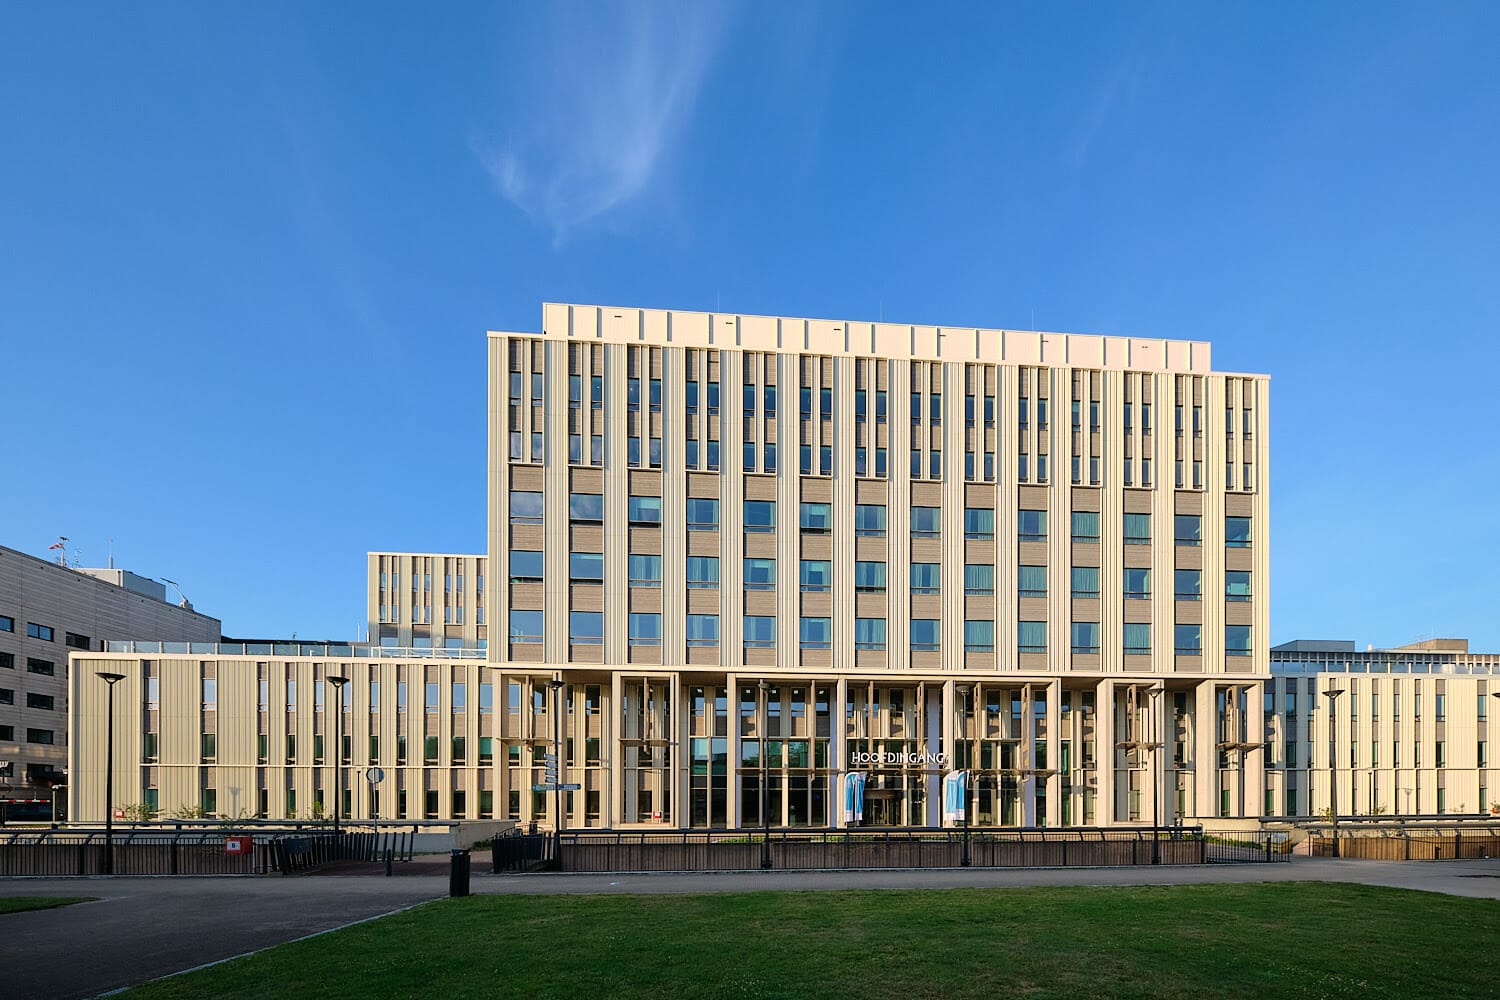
(556, 788)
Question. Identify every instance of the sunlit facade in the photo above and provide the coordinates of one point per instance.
(757, 555)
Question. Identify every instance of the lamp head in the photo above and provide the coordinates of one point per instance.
(110, 677)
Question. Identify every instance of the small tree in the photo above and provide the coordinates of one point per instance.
(138, 812)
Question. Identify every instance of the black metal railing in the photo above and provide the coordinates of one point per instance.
(514, 851)
(222, 850)
(617, 851)
(1401, 842)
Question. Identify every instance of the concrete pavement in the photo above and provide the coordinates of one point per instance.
(1457, 878)
(145, 928)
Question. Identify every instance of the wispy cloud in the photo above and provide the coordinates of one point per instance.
(601, 95)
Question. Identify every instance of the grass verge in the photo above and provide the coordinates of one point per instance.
(1260, 941)
(20, 904)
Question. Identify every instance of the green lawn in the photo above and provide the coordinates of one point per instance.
(1254, 941)
(20, 904)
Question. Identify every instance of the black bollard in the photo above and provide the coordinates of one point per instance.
(458, 876)
(389, 857)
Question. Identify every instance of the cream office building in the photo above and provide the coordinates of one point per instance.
(1407, 729)
(755, 551)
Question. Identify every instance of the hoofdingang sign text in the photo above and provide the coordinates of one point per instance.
(882, 758)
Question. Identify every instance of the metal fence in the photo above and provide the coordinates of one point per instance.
(145, 851)
(852, 849)
(1401, 843)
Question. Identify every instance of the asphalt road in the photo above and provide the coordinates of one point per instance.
(145, 928)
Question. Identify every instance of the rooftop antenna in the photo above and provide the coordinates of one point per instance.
(111, 553)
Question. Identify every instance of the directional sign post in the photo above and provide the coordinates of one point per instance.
(555, 787)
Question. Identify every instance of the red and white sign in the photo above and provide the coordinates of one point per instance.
(119, 814)
(656, 817)
(238, 845)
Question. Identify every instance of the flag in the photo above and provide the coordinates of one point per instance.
(854, 798)
(955, 795)
(54, 545)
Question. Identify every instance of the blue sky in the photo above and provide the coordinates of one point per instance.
(248, 253)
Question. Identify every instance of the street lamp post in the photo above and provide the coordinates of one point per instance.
(557, 686)
(1332, 694)
(765, 775)
(966, 860)
(110, 679)
(1155, 778)
(338, 748)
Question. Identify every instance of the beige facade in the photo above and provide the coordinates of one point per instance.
(424, 600)
(48, 611)
(1410, 730)
(766, 553)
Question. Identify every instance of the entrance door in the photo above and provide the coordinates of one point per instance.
(880, 810)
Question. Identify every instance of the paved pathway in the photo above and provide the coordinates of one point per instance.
(144, 928)
(1458, 878)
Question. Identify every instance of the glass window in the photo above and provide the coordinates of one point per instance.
(1237, 585)
(1237, 640)
(586, 506)
(702, 630)
(1137, 638)
(1189, 639)
(926, 522)
(1189, 528)
(979, 579)
(817, 575)
(586, 567)
(816, 633)
(760, 515)
(1189, 584)
(760, 574)
(1137, 529)
(979, 636)
(1085, 526)
(1032, 525)
(1085, 581)
(525, 566)
(1237, 532)
(702, 572)
(926, 578)
(525, 626)
(869, 577)
(1137, 583)
(702, 514)
(525, 507)
(645, 629)
(645, 570)
(869, 633)
(926, 634)
(760, 631)
(816, 519)
(1031, 637)
(586, 628)
(1085, 637)
(869, 519)
(645, 510)
(979, 522)
(1032, 581)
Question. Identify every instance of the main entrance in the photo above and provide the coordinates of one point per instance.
(882, 807)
